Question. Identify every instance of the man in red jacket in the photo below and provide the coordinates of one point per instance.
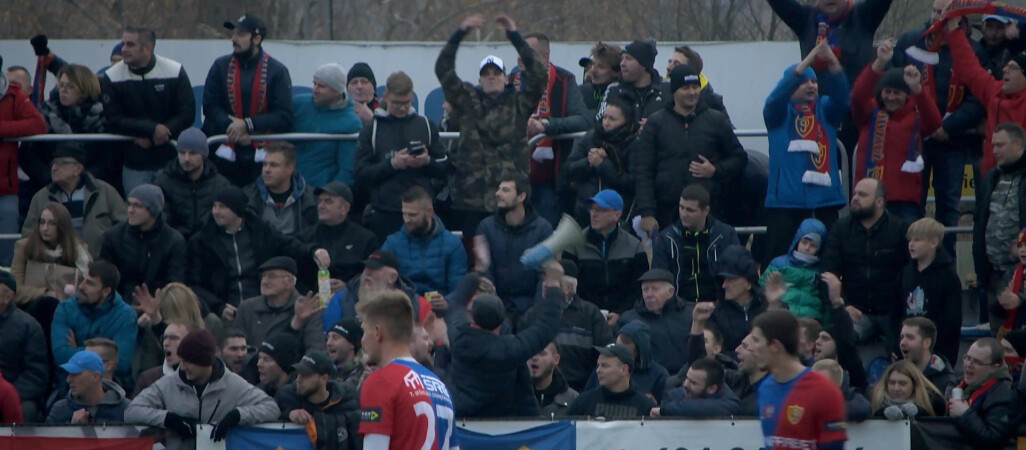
(18, 117)
(1005, 99)
(894, 114)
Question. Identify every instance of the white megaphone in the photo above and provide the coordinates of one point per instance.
(567, 234)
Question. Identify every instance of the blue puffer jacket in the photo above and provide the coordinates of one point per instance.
(324, 161)
(113, 319)
(434, 262)
(515, 284)
(786, 168)
(807, 226)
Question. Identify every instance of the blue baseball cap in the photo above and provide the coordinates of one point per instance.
(608, 198)
(82, 361)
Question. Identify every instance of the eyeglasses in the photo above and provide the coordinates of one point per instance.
(976, 362)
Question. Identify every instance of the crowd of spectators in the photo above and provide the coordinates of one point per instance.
(161, 266)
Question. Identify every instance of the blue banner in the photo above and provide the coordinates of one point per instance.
(254, 438)
(561, 435)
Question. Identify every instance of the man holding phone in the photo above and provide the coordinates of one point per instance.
(397, 150)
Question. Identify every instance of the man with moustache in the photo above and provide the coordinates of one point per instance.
(189, 183)
(867, 249)
(246, 93)
(234, 349)
(380, 273)
(429, 255)
(552, 391)
(315, 400)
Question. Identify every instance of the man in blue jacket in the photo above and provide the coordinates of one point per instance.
(97, 311)
(430, 256)
(804, 173)
(327, 109)
(703, 394)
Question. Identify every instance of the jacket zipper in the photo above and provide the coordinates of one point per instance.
(238, 265)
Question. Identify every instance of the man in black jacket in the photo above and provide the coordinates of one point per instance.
(149, 97)
(148, 252)
(918, 335)
(984, 410)
(189, 184)
(638, 84)
(489, 372)
(686, 56)
(332, 407)
(615, 398)
(703, 394)
(348, 243)
(397, 150)
(605, 69)
(225, 253)
(228, 104)
(684, 143)
(550, 387)
(23, 355)
(667, 315)
(867, 250)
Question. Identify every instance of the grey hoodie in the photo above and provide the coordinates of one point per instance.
(110, 409)
(224, 392)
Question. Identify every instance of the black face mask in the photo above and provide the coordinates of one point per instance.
(618, 134)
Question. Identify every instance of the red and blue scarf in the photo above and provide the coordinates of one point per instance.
(827, 31)
(808, 135)
(258, 95)
(878, 136)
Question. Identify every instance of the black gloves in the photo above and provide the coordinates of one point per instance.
(230, 420)
(182, 426)
(39, 42)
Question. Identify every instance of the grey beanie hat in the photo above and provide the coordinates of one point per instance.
(334, 75)
(193, 140)
(151, 197)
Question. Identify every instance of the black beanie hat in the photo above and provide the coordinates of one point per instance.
(283, 348)
(69, 149)
(233, 198)
(198, 347)
(682, 75)
(488, 311)
(1018, 340)
(361, 69)
(643, 51)
(894, 79)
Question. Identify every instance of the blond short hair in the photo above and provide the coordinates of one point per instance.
(925, 228)
(830, 368)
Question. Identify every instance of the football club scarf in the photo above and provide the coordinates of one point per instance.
(956, 88)
(807, 135)
(1012, 315)
(258, 92)
(962, 8)
(913, 155)
(39, 80)
(827, 31)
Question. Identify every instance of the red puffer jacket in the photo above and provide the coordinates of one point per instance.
(18, 117)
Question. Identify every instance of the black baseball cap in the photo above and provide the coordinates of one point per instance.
(315, 362)
(382, 258)
(336, 188)
(620, 352)
(249, 23)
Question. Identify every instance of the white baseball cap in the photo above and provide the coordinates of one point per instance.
(492, 60)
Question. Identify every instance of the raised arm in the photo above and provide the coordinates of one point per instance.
(455, 91)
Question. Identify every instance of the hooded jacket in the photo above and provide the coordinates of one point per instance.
(669, 329)
(647, 376)
(110, 408)
(187, 203)
(155, 257)
(435, 261)
(1001, 107)
(582, 328)
(609, 268)
(113, 319)
(336, 420)
(323, 161)
(102, 208)
(224, 392)
(378, 143)
(676, 250)
(805, 293)
(868, 260)
(732, 319)
(557, 397)
(917, 119)
(515, 284)
(722, 403)
(297, 215)
(985, 192)
(489, 376)
(855, 29)
(135, 101)
(936, 293)
(669, 143)
(23, 355)
(785, 188)
(18, 117)
(493, 131)
(940, 373)
(259, 320)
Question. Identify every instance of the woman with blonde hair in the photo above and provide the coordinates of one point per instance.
(174, 303)
(903, 392)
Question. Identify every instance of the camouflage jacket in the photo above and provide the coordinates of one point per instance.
(493, 131)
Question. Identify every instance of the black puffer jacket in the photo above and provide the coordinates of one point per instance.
(155, 257)
(670, 330)
(613, 173)
(187, 203)
(869, 261)
(669, 143)
(646, 100)
(609, 268)
(379, 141)
(23, 355)
(337, 420)
(988, 421)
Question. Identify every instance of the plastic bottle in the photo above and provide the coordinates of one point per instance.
(324, 286)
